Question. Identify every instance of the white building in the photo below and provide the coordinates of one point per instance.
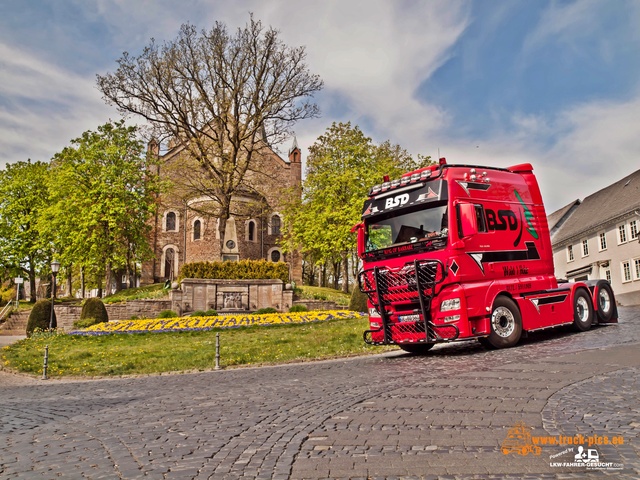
(600, 238)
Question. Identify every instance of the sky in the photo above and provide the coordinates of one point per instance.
(496, 83)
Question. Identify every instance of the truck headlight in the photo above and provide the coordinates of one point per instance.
(450, 304)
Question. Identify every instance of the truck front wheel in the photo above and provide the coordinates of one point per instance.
(506, 324)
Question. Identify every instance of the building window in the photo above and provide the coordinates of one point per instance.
(622, 234)
(170, 222)
(197, 225)
(626, 271)
(275, 225)
(633, 226)
(636, 268)
(275, 255)
(251, 231)
(607, 275)
(570, 253)
(603, 241)
(585, 248)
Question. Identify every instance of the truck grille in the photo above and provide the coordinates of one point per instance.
(403, 296)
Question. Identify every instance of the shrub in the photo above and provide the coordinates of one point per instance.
(358, 302)
(298, 308)
(263, 311)
(242, 270)
(167, 314)
(84, 323)
(40, 316)
(7, 294)
(93, 312)
(201, 313)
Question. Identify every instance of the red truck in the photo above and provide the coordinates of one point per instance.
(455, 252)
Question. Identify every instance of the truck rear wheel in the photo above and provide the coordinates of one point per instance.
(417, 348)
(582, 311)
(506, 324)
(605, 301)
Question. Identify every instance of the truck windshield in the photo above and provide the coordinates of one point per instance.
(427, 226)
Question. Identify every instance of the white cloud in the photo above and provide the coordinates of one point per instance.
(373, 56)
(601, 145)
(44, 106)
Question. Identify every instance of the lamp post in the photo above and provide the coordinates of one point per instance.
(55, 268)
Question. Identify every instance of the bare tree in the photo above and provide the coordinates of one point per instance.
(223, 98)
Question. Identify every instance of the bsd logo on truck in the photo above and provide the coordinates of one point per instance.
(396, 201)
(502, 220)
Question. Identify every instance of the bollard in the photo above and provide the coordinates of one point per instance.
(46, 363)
(217, 367)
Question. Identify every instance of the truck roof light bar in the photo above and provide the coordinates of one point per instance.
(410, 178)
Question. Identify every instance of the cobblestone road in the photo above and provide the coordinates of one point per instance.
(444, 415)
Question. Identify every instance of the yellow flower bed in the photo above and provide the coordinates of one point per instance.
(207, 323)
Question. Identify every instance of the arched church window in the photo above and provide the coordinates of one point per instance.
(170, 225)
(251, 231)
(196, 229)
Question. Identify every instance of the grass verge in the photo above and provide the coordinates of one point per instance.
(307, 292)
(140, 293)
(147, 353)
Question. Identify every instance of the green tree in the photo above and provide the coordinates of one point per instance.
(102, 194)
(342, 165)
(23, 197)
(221, 97)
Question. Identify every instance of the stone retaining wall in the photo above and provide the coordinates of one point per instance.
(67, 314)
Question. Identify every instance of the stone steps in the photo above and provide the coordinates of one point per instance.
(16, 323)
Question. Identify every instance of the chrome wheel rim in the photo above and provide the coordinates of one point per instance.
(604, 301)
(582, 309)
(503, 322)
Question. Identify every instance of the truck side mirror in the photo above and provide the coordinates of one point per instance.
(467, 221)
(358, 229)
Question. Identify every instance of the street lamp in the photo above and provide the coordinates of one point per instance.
(55, 268)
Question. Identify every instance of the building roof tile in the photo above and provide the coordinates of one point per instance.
(599, 209)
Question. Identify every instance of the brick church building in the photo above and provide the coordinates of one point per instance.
(184, 231)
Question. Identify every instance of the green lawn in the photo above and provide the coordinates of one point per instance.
(140, 293)
(321, 293)
(125, 354)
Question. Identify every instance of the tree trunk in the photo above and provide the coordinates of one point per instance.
(336, 275)
(100, 286)
(345, 269)
(82, 285)
(69, 282)
(33, 294)
(224, 216)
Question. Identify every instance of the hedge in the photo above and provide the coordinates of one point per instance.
(242, 270)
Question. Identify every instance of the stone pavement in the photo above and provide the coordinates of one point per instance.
(443, 415)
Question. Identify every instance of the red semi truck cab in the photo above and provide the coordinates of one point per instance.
(453, 252)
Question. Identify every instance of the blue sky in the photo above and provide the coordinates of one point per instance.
(553, 83)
